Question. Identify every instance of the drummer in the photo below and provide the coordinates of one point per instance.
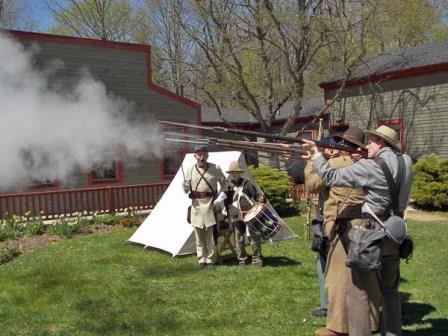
(241, 196)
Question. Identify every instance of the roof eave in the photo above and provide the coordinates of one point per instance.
(388, 76)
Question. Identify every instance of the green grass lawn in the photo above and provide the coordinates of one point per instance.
(100, 285)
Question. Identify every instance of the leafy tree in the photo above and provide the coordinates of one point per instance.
(15, 14)
(113, 20)
(171, 46)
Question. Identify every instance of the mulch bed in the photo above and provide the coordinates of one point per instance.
(26, 244)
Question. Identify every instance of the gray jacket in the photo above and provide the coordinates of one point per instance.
(366, 173)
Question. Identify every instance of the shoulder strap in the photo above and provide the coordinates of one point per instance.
(394, 188)
(203, 178)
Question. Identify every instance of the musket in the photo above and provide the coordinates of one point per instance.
(284, 138)
(283, 156)
(239, 144)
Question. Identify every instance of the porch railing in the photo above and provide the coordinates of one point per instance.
(300, 194)
(69, 201)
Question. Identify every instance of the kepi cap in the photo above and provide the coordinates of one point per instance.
(332, 139)
(200, 148)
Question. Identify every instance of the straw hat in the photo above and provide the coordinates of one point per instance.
(354, 136)
(234, 167)
(387, 134)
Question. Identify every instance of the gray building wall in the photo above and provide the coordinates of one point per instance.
(421, 102)
(124, 72)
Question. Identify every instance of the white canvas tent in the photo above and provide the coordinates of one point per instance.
(166, 227)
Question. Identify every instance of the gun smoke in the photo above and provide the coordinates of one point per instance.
(49, 132)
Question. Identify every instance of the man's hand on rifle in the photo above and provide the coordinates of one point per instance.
(357, 156)
(312, 151)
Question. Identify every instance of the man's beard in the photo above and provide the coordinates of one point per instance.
(237, 181)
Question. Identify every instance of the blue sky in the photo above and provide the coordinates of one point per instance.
(40, 14)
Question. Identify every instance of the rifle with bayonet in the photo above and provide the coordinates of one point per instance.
(278, 137)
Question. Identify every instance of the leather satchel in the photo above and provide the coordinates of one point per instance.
(365, 248)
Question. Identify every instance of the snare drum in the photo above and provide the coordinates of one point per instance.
(263, 221)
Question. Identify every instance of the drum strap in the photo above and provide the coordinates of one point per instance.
(239, 193)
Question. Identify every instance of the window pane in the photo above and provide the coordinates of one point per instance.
(105, 171)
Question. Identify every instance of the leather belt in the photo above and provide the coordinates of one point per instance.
(369, 216)
(200, 194)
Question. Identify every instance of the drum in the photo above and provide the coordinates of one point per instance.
(263, 221)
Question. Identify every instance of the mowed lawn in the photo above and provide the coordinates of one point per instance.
(101, 285)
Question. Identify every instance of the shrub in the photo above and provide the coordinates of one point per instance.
(11, 228)
(276, 186)
(34, 226)
(430, 186)
(7, 253)
(61, 227)
(130, 221)
(104, 219)
(302, 207)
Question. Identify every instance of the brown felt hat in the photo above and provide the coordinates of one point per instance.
(234, 167)
(354, 136)
(387, 134)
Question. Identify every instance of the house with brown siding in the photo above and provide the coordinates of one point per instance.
(125, 71)
(406, 90)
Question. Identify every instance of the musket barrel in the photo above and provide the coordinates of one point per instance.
(288, 139)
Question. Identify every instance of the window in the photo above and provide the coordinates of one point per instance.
(106, 172)
(35, 161)
(397, 125)
(338, 127)
(173, 153)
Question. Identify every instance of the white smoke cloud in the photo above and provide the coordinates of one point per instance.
(48, 133)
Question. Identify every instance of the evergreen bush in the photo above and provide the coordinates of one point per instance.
(430, 186)
(276, 185)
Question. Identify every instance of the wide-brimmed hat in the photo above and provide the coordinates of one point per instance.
(354, 136)
(234, 167)
(200, 148)
(387, 134)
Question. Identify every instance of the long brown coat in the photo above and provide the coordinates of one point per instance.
(339, 202)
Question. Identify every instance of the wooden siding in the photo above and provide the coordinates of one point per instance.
(422, 104)
(125, 72)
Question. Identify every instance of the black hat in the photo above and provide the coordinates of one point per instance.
(332, 139)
